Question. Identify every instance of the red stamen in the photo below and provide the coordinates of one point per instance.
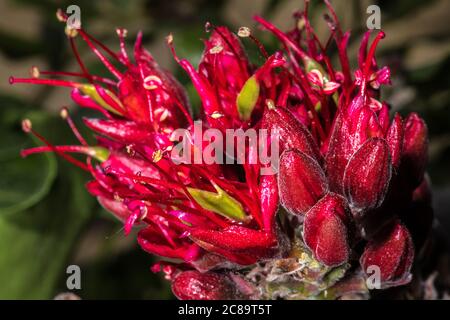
(101, 45)
(80, 75)
(102, 58)
(50, 82)
(124, 55)
(66, 116)
(52, 148)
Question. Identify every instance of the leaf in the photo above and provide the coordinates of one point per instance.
(24, 181)
(221, 203)
(247, 98)
(35, 243)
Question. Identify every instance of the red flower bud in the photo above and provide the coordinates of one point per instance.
(394, 139)
(367, 176)
(325, 230)
(301, 181)
(415, 149)
(292, 134)
(193, 285)
(349, 133)
(393, 252)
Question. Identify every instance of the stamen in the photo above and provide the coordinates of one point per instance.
(50, 82)
(102, 58)
(122, 33)
(80, 62)
(66, 116)
(27, 127)
(76, 74)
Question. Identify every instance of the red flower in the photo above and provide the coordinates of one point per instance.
(346, 176)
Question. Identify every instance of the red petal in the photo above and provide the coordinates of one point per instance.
(125, 131)
(268, 189)
(151, 240)
(235, 238)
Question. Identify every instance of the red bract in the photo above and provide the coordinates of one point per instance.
(349, 177)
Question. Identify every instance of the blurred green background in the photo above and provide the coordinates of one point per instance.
(47, 219)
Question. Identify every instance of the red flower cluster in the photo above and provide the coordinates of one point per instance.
(348, 176)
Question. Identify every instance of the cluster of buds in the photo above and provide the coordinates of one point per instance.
(350, 193)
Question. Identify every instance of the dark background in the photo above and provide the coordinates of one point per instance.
(47, 219)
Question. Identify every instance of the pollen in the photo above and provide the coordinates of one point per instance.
(71, 32)
(60, 16)
(244, 32)
(216, 49)
(169, 39)
(26, 125)
(270, 104)
(64, 113)
(216, 115)
(122, 32)
(34, 72)
(157, 155)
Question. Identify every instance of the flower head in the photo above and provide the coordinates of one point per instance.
(346, 175)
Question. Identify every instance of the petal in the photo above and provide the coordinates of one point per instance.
(268, 189)
(235, 238)
(315, 77)
(330, 87)
(122, 130)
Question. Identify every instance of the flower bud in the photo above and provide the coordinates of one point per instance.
(367, 175)
(301, 181)
(325, 230)
(415, 149)
(394, 139)
(293, 134)
(393, 252)
(193, 285)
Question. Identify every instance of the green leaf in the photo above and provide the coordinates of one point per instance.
(247, 98)
(24, 181)
(35, 243)
(221, 203)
